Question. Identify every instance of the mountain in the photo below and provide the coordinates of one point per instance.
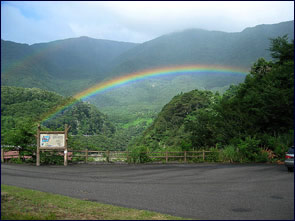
(23, 108)
(20, 68)
(197, 46)
(80, 57)
(30, 104)
(257, 113)
(167, 130)
(72, 65)
(188, 47)
(65, 66)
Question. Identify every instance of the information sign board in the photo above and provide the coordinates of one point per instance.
(52, 140)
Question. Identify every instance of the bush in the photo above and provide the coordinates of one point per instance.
(249, 149)
(138, 155)
(280, 151)
(16, 160)
(214, 156)
(230, 153)
(51, 158)
(262, 157)
(197, 160)
(28, 151)
(279, 144)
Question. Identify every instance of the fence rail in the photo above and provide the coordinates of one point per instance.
(7, 155)
(123, 156)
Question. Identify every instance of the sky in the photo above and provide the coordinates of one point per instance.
(135, 21)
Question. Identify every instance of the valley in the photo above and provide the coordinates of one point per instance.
(129, 114)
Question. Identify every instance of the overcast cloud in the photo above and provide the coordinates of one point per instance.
(34, 22)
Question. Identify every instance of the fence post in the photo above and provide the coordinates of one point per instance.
(66, 145)
(66, 157)
(204, 155)
(2, 155)
(86, 155)
(38, 146)
(185, 156)
(127, 156)
(108, 156)
(166, 156)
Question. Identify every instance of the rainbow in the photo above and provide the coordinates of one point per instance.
(141, 75)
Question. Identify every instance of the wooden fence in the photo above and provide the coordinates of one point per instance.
(125, 156)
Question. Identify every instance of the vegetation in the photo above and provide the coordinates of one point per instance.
(167, 130)
(65, 66)
(72, 65)
(19, 105)
(23, 108)
(24, 204)
(249, 122)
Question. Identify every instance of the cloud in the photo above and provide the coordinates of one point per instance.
(140, 21)
(17, 27)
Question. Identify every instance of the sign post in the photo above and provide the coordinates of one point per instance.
(52, 140)
(38, 146)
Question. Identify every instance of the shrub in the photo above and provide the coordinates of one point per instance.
(271, 156)
(138, 155)
(278, 144)
(16, 160)
(280, 151)
(249, 149)
(197, 160)
(51, 158)
(229, 153)
(214, 156)
(262, 157)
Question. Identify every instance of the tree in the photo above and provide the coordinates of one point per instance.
(201, 125)
(264, 103)
(281, 49)
(23, 136)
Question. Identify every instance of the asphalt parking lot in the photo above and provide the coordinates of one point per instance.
(198, 191)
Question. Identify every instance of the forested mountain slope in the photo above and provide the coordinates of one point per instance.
(67, 66)
(64, 66)
(252, 116)
(197, 46)
(28, 105)
(72, 65)
(235, 50)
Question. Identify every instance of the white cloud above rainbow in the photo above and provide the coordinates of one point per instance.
(43, 21)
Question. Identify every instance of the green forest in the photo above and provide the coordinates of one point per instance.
(250, 122)
(22, 109)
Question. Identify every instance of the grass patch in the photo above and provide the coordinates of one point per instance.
(25, 204)
(146, 121)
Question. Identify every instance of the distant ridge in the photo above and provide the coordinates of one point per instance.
(72, 65)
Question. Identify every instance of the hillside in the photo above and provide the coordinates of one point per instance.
(28, 105)
(72, 65)
(197, 46)
(23, 108)
(65, 66)
(167, 130)
(193, 46)
(249, 121)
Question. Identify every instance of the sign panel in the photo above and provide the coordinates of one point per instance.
(52, 140)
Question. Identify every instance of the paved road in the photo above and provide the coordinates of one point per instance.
(198, 191)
